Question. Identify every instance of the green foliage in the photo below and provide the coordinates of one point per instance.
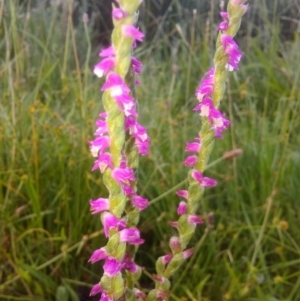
(49, 102)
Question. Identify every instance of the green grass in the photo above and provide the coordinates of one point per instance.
(49, 102)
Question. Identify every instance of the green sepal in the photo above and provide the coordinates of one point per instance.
(235, 14)
(117, 204)
(207, 139)
(115, 125)
(120, 251)
(133, 217)
(159, 266)
(122, 46)
(185, 230)
(130, 6)
(132, 153)
(173, 265)
(112, 243)
(117, 287)
(165, 285)
(152, 295)
(195, 193)
(130, 295)
(110, 183)
(132, 278)
(137, 275)
(105, 283)
(124, 63)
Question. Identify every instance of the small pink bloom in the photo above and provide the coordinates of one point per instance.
(132, 32)
(98, 255)
(103, 161)
(219, 122)
(129, 122)
(100, 144)
(183, 193)
(128, 190)
(99, 205)
(126, 104)
(119, 14)
(136, 65)
(131, 236)
(139, 294)
(205, 107)
(130, 265)
(175, 243)
(96, 289)
(123, 163)
(129, 109)
(166, 259)
(232, 50)
(203, 181)
(105, 297)
(182, 208)
(223, 26)
(110, 221)
(116, 85)
(112, 267)
(109, 51)
(206, 86)
(224, 15)
(140, 133)
(143, 146)
(101, 127)
(123, 175)
(194, 219)
(190, 161)
(104, 66)
(159, 278)
(139, 202)
(187, 253)
(173, 224)
(192, 147)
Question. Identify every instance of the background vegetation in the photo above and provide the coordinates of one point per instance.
(49, 101)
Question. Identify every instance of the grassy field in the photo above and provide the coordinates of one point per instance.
(49, 101)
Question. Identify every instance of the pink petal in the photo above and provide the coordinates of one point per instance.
(104, 66)
(183, 193)
(123, 175)
(203, 181)
(96, 289)
(173, 224)
(190, 161)
(131, 236)
(194, 219)
(110, 221)
(109, 51)
(119, 14)
(112, 267)
(187, 253)
(99, 205)
(175, 243)
(139, 202)
(182, 208)
(223, 26)
(132, 32)
(167, 258)
(98, 255)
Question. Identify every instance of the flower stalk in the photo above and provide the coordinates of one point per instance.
(209, 94)
(119, 140)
